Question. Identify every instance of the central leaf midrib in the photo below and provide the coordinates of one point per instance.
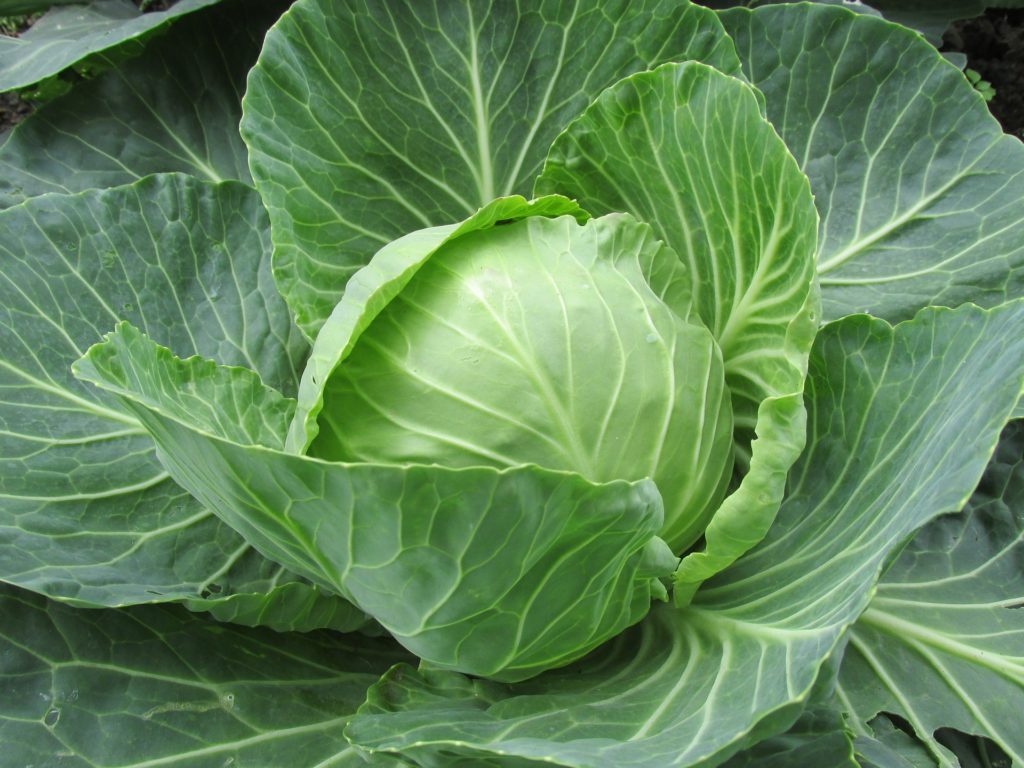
(483, 136)
(992, 660)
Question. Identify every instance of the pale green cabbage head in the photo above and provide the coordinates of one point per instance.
(543, 341)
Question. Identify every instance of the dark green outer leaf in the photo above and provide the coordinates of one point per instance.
(819, 737)
(917, 186)
(156, 686)
(368, 120)
(885, 746)
(942, 644)
(691, 687)
(66, 36)
(929, 17)
(86, 510)
(183, 259)
(174, 108)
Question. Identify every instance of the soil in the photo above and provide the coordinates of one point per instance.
(993, 43)
(12, 110)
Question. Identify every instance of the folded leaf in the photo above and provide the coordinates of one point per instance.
(687, 149)
(497, 573)
(87, 512)
(374, 287)
(692, 686)
(886, 746)
(475, 345)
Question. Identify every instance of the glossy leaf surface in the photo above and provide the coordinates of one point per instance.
(687, 149)
(368, 120)
(942, 643)
(87, 512)
(916, 184)
(669, 691)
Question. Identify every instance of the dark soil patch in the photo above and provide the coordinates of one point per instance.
(994, 45)
(13, 109)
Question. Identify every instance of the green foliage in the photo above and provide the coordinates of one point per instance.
(67, 37)
(173, 108)
(322, 445)
(425, 112)
(983, 87)
(942, 629)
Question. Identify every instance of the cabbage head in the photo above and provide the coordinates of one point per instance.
(463, 360)
(515, 431)
(542, 341)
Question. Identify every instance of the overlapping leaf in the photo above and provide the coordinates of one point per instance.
(156, 686)
(439, 354)
(174, 108)
(883, 745)
(67, 35)
(500, 573)
(930, 17)
(87, 511)
(904, 224)
(686, 149)
(367, 120)
(691, 686)
(819, 737)
(940, 644)
(916, 184)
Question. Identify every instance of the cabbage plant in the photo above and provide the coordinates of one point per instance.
(580, 384)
